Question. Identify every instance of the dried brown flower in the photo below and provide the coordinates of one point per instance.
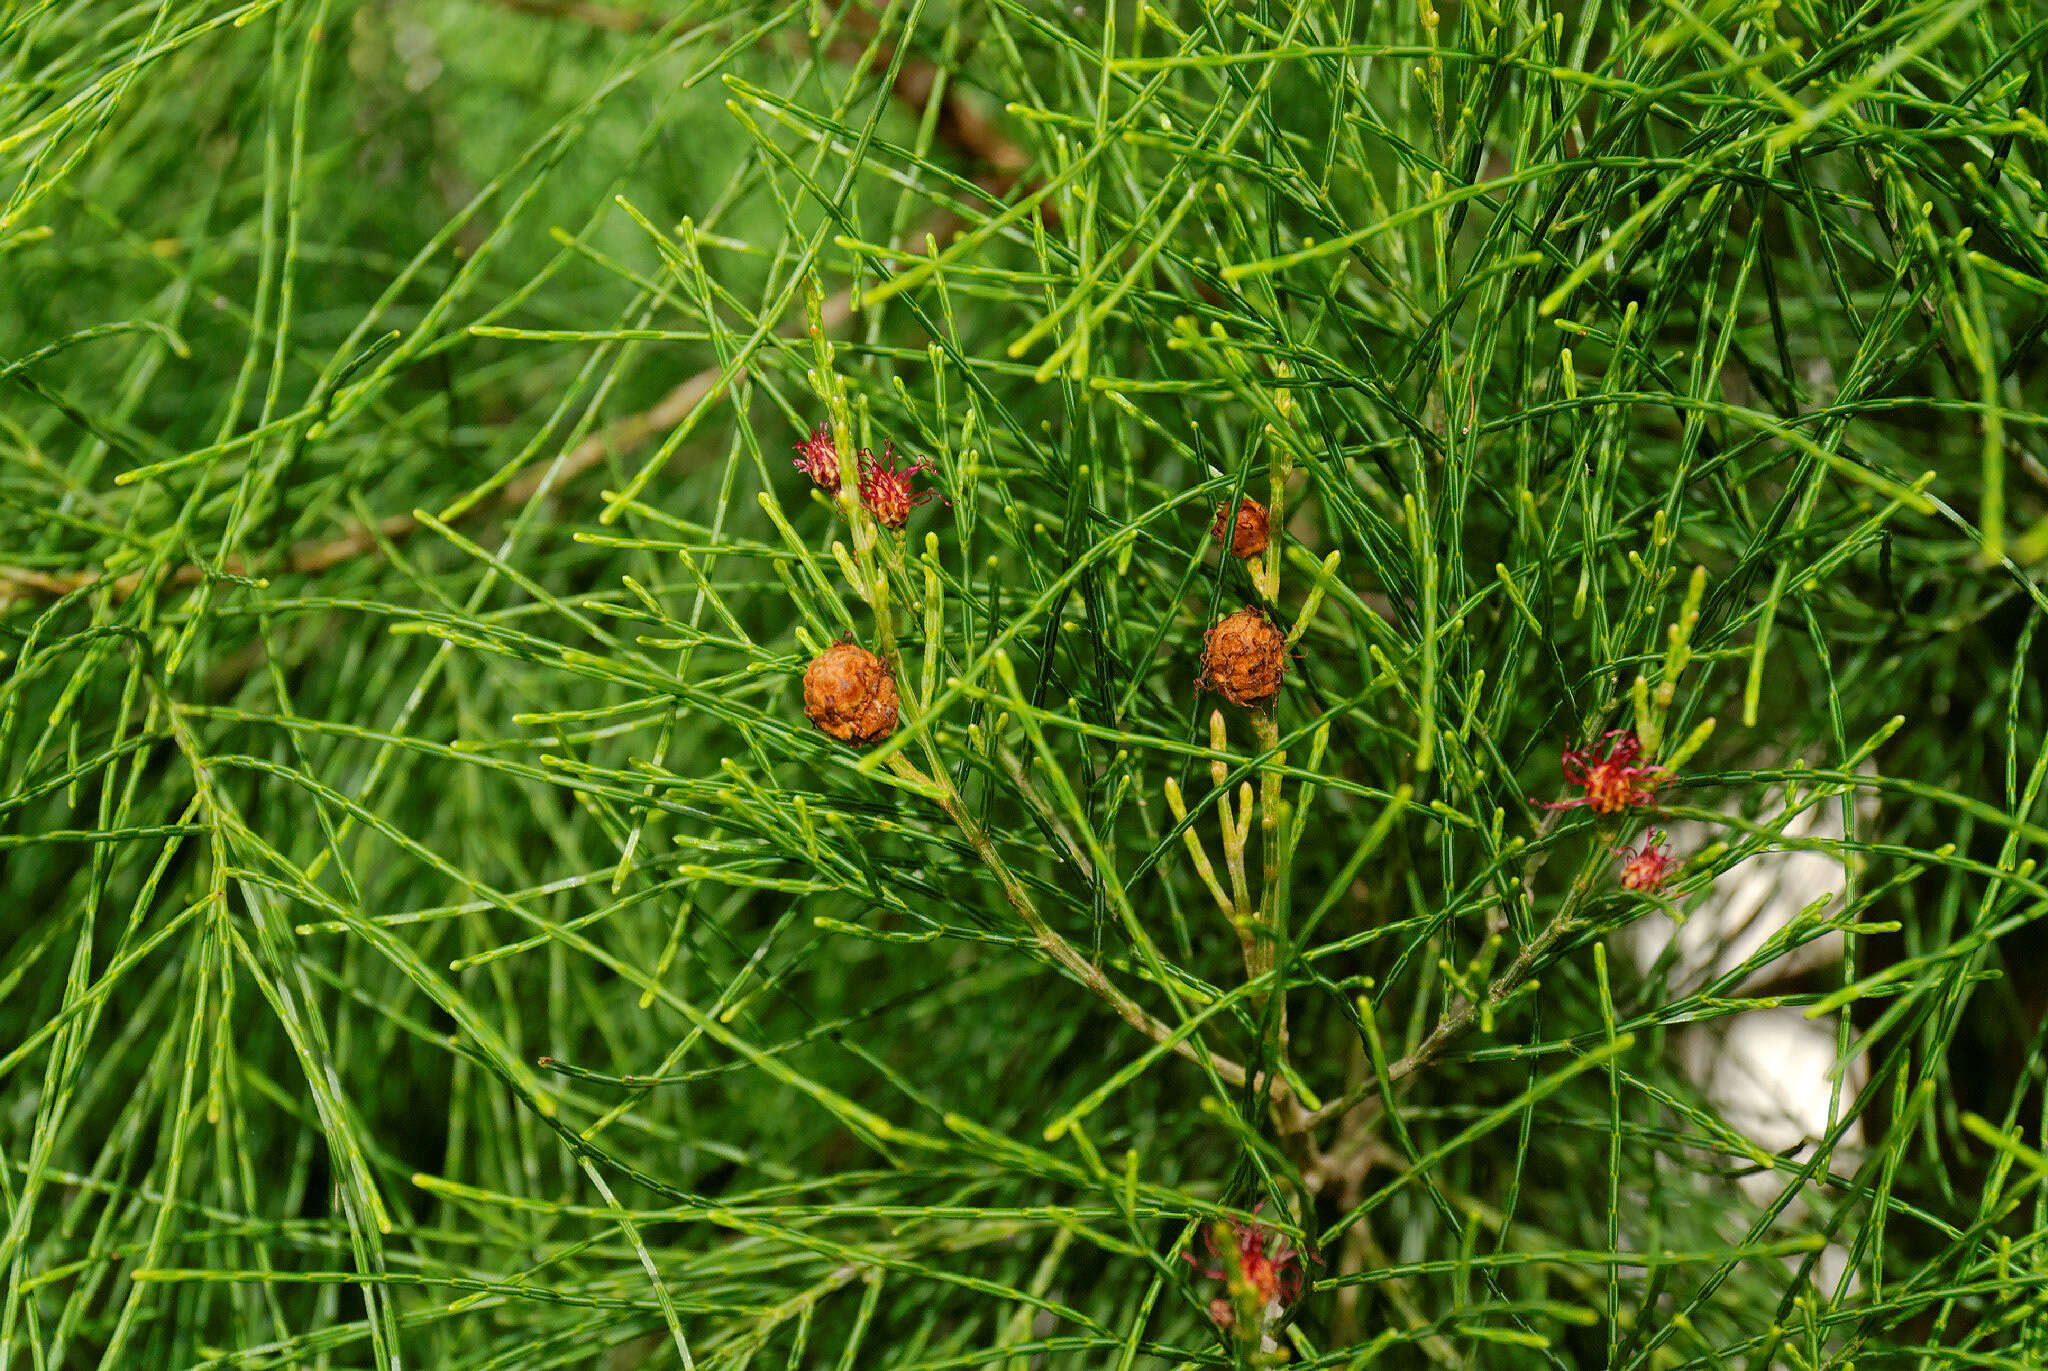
(1248, 532)
(850, 695)
(1243, 658)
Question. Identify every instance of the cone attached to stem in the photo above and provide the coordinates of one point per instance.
(850, 695)
(1243, 658)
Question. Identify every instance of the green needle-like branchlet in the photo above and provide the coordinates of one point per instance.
(434, 934)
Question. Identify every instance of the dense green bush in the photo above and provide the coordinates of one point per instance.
(436, 936)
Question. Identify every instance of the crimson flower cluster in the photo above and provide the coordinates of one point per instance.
(1611, 778)
(818, 458)
(1607, 776)
(1270, 1264)
(1646, 868)
(885, 492)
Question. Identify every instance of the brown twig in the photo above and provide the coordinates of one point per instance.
(313, 555)
(959, 125)
(1465, 1012)
(1058, 949)
(598, 16)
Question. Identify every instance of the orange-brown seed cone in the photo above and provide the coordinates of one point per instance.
(850, 695)
(1248, 532)
(1243, 658)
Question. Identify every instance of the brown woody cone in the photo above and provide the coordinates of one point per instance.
(1248, 533)
(850, 695)
(1243, 658)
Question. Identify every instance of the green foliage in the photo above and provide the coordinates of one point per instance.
(435, 936)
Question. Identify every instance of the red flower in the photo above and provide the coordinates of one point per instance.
(886, 491)
(1646, 868)
(1270, 1264)
(818, 458)
(1608, 774)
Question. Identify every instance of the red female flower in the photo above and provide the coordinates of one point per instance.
(1648, 867)
(1271, 1267)
(886, 491)
(1608, 775)
(818, 458)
